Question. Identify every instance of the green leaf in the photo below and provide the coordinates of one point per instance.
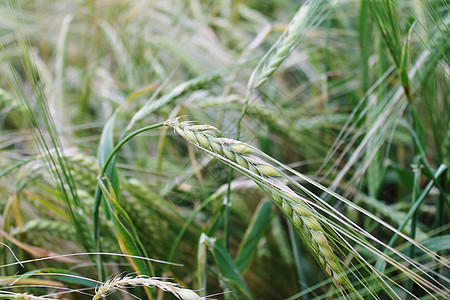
(107, 156)
(404, 61)
(126, 233)
(217, 221)
(105, 148)
(255, 231)
(404, 176)
(227, 266)
(365, 41)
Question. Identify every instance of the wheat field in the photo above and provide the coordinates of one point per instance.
(196, 150)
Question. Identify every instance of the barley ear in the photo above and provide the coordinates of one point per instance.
(286, 45)
(117, 283)
(245, 158)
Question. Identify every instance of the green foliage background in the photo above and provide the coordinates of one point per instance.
(359, 103)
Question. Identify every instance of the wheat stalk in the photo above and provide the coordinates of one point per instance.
(111, 285)
(244, 157)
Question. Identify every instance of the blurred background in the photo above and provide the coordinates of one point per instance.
(358, 101)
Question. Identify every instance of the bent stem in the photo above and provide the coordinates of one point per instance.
(125, 140)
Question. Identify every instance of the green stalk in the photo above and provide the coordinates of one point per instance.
(440, 208)
(126, 139)
(15, 166)
(409, 283)
(382, 264)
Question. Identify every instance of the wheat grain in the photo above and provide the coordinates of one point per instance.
(304, 217)
(117, 283)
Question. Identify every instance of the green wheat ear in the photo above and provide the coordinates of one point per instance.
(301, 214)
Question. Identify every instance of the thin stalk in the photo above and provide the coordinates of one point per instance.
(227, 212)
(17, 165)
(230, 176)
(417, 203)
(440, 208)
(126, 139)
(411, 212)
(180, 234)
(427, 169)
(415, 191)
(250, 89)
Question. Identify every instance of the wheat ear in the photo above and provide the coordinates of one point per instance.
(244, 157)
(23, 296)
(285, 45)
(117, 283)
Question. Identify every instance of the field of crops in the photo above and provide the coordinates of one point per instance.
(231, 149)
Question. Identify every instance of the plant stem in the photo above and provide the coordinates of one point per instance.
(415, 191)
(126, 139)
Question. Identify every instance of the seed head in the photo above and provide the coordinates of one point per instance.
(304, 216)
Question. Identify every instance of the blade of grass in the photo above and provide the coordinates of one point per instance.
(226, 265)
(126, 233)
(255, 231)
